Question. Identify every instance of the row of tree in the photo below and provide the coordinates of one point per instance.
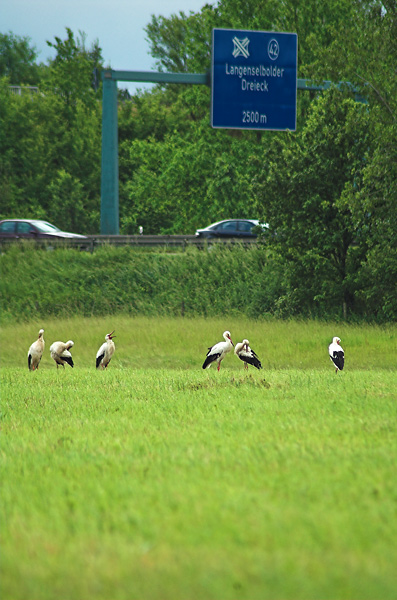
(328, 190)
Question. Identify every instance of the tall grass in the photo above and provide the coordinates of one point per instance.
(218, 281)
(120, 280)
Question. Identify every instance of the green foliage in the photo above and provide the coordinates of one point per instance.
(50, 136)
(70, 74)
(219, 281)
(111, 280)
(22, 155)
(182, 43)
(69, 207)
(306, 200)
(192, 181)
(369, 41)
(18, 60)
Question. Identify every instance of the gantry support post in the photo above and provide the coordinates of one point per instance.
(110, 161)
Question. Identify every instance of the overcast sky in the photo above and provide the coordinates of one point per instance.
(117, 24)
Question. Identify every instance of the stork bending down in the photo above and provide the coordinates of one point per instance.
(60, 353)
(247, 355)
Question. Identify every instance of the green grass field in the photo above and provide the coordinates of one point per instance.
(158, 480)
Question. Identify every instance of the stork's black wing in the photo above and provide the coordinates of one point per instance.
(338, 359)
(69, 360)
(251, 359)
(210, 358)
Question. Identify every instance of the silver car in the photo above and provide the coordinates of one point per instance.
(34, 229)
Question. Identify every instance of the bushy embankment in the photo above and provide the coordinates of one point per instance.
(216, 281)
(64, 282)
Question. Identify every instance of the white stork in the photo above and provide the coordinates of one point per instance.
(60, 353)
(247, 355)
(218, 352)
(106, 351)
(35, 352)
(336, 354)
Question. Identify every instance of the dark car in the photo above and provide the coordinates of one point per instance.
(33, 229)
(232, 228)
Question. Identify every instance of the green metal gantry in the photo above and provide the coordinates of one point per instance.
(110, 166)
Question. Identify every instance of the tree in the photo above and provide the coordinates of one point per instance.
(368, 60)
(70, 73)
(50, 144)
(182, 43)
(304, 200)
(374, 203)
(190, 179)
(363, 51)
(18, 60)
(22, 161)
(69, 206)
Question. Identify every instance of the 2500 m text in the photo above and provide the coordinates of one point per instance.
(254, 117)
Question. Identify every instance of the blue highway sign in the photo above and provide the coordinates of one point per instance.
(254, 79)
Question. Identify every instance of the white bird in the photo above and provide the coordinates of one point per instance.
(218, 352)
(336, 354)
(247, 355)
(60, 353)
(35, 352)
(106, 351)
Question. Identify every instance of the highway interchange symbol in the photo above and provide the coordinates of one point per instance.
(240, 47)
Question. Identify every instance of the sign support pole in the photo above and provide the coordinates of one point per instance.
(110, 164)
(110, 161)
